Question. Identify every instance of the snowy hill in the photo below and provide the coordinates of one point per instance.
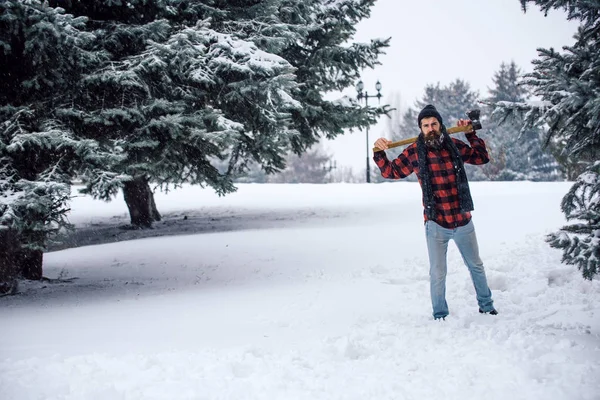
(302, 292)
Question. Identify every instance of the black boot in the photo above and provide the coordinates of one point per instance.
(493, 312)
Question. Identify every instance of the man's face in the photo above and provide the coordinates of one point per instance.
(432, 132)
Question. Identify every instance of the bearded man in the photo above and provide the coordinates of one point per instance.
(438, 160)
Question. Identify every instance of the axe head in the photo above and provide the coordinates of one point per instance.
(473, 115)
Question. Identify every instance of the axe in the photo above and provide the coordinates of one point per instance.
(474, 126)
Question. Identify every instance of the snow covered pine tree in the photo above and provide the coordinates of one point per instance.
(520, 151)
(453, 101)
(41, 52)
(569, 88)
(189, 86)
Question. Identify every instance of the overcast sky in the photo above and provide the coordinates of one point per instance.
(440, 41)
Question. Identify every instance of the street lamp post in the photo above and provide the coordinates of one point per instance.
(364, 95)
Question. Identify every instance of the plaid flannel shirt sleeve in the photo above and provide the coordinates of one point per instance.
(399, 168)
(476, 153)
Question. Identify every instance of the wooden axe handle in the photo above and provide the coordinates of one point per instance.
(450, 131)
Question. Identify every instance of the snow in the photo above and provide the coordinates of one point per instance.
(288, 101)
(302, 292)
(248, 56)
(588, 178)
(542, 104)
(8, 196)
(344, 101)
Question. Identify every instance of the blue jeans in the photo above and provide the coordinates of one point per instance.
(437, 246)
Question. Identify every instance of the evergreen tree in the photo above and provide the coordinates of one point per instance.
(406, 127)
(452, 102)
(403, 124)
(518, 153)
(189, 85)
(325, 62)
(108, 108)
(42, 51)
(345, 174)
(394, 122)
(580, 241)
(567, 84)
(312, 166)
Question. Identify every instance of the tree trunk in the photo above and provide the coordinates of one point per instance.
(9, 269)
(140, 202)
(30, 262)
(155, 213)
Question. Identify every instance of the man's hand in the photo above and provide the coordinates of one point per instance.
(382, 143)
(464, 122)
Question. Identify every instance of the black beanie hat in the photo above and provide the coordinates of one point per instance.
(429, 111)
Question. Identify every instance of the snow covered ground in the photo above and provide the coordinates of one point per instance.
(302, 292)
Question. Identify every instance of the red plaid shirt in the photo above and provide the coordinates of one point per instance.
(443, 176)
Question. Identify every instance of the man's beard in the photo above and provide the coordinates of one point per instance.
(434, 140)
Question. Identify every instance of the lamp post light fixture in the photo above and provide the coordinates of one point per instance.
(364, 95)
